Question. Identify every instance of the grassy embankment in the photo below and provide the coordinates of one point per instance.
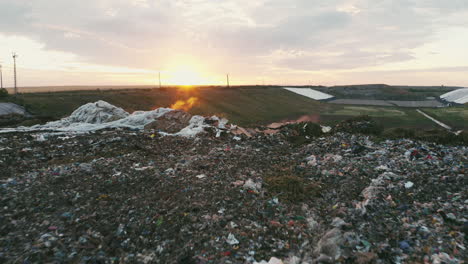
(246, 106)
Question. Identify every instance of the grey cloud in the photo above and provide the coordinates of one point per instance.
(303, 32)
(119, 32)
(443, 6)
(348, 60)
(14, 16)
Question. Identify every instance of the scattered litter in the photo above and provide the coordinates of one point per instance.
(326, 129)
(272, 260)
(119, 195)
(231, 240)
(201, 176)
(409, 184)
(251, 185)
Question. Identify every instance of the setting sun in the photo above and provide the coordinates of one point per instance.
(185, 75)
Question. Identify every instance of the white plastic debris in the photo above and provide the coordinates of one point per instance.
(311, 160)
(96, 116)
(97, 113)
(41, 138)
(451, 216)
(382, 168)
(231, 240)
(443, 257)
(201, 176)
(409, 184)
(311, 223)
(169, 171)
(273, 260)
(326, 129)
(338, 222)
(275, 200)
(332, 157)
(195, 127)
(101, 115)
(251, 185)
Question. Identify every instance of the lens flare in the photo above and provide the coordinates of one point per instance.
(185, 104)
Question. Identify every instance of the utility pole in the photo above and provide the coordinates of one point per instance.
(14, 62)
(159, 80)
(1, 77)
(227, 79)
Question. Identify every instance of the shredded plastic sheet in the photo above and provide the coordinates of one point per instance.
(273, 260)
(196, 126)
(97, 113)
(102, 115)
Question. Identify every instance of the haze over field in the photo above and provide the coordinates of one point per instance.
(122, 42)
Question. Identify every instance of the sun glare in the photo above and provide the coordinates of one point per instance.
(185, 76)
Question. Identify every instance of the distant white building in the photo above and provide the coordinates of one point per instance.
(459, 96)
(311, 93)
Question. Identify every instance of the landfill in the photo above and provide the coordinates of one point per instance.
(205, 192)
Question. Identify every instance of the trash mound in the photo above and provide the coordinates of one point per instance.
(121, 196)
(439, 136)
(96, 113)
(301, 133)
(360, 125)
(11, 119)
(102, 115)
(170, 122)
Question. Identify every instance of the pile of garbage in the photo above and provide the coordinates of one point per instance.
(360, 124)
(119, 195)
(102, 115)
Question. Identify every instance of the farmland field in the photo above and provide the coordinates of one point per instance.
(360, 102)
(456, 117)
(366, 110)
(426, 103)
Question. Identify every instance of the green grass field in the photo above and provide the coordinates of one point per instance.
(246, 106)
(456, 117)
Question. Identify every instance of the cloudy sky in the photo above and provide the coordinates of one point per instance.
(328, 42)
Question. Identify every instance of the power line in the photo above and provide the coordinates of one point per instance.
(14, 62)
(159, 80)
(1, 77)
